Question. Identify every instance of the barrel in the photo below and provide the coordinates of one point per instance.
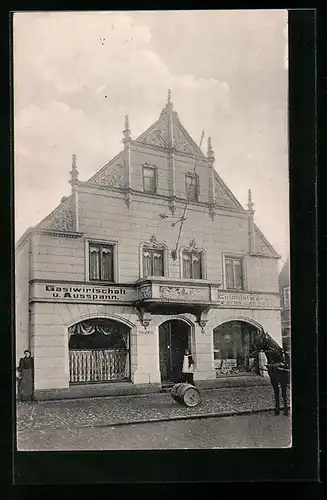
(186, 394)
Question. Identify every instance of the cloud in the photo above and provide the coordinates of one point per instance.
(75, 77)
(77, 74)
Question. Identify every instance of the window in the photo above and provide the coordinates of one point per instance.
(152, 262)
(149, 179)
(234, 349)
(287, 297)
(234, 273)
(192, 265)
(101, 262)
(191, 187)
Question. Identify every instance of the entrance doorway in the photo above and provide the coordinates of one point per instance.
(174, 338)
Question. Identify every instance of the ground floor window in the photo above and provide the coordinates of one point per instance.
(99, 351)
(234, 349)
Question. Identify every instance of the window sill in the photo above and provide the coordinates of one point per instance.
(98, 282)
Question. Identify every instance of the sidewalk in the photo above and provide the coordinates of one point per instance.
(120, 410)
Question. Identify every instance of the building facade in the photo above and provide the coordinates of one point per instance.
(150, 256)
(285, 300)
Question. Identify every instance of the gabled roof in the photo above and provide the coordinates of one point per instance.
(262, 245)
(61, 218)
(157, 135)
(223, 196)
(112, 174)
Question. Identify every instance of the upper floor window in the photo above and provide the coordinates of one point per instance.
(153, 262)
(149, 179)
(101, 262)
(192, 264)
(287, 297)
(234, 273)
(192, 187)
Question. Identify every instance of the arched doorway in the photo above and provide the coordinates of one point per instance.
(99, 351)
(234, 349)
(174, 338)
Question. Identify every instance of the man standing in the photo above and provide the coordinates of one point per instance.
(188, 368)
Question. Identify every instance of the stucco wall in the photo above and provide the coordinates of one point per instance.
(104, 216)
(49, 339)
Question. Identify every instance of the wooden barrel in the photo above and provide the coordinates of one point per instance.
(174, 391)
(186, 394)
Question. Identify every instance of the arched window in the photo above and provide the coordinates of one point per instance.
(234, 349)
(192, 262)
(99, 351)
(153, 258)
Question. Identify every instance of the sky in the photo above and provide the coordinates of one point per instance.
(77, 74)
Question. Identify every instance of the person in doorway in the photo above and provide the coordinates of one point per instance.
(188, 368)
(26, 377)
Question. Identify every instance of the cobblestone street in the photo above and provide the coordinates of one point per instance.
(264, 430)
(127, 409)
(38, 420)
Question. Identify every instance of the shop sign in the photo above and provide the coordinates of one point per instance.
(87, 293)
(248, 300)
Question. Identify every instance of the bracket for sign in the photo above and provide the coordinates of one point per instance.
(144, 316)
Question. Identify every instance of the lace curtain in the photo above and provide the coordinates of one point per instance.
(101, 262)
(192, 265)
(85, 328)
(152, 262)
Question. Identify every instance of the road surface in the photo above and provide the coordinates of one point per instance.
(262, 430)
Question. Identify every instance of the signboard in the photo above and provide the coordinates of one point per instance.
(145, 332)
(248, 300)
(81, 293)
(228, 366)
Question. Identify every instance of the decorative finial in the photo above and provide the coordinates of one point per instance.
(73, 173)
(250, 204)
(126, 132)
(210, 152)
(193, 243)
(169, 96)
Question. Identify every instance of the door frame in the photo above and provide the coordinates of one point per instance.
(170, 322)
